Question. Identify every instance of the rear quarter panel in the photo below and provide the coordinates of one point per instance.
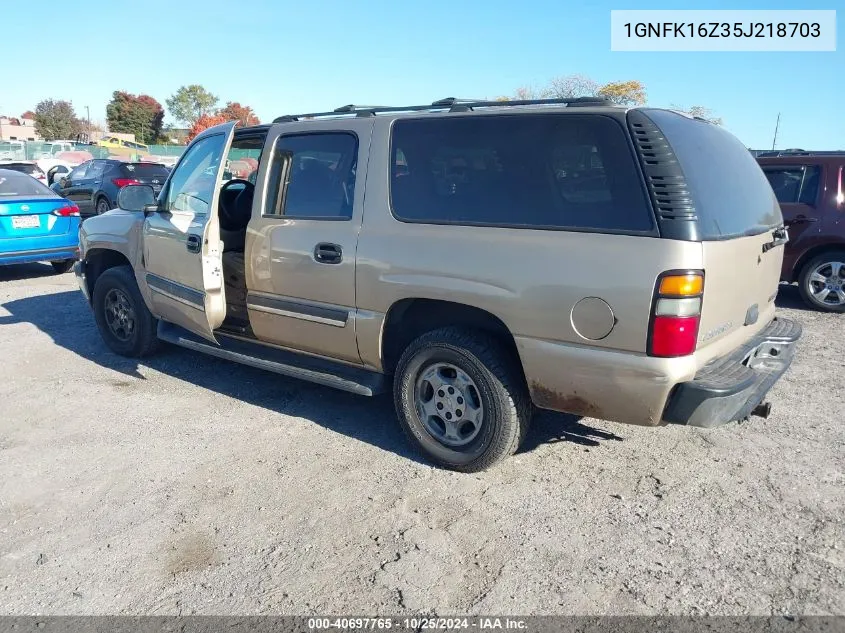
(531, 280)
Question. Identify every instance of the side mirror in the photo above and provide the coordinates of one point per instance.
(136, 198)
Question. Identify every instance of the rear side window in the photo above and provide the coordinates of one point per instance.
(730, 194)
(542, 171)
(793, 184)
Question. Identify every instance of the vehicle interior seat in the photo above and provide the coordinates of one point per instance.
(235, 212)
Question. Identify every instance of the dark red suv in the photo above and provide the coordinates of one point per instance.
(811, 192)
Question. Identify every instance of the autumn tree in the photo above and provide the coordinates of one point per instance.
(702, 113)
(56, 120)
(630, 92)
(523, 93)
(623, 92)
(234, 111)
(571, 87)
(203, 123)
(189, 103)
(29, 114)
(140, 115)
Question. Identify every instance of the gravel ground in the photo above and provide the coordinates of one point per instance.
(186, 484)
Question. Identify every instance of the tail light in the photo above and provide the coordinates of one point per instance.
(66, 212)
(122, 182)
(676, 314)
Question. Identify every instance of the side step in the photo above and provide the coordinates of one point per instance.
(323, 372)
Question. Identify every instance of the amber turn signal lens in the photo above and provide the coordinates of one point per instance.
(681, 285)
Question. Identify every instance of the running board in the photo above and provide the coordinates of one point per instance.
(317, 370)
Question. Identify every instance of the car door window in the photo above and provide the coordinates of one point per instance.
(79, 172)
(193, 183)
(96, 169)
(321, 180)
(794, 184)
(810, 186)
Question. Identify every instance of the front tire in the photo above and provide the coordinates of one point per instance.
(822, 282)
(62, 266)
(125, 323)
(461, 398)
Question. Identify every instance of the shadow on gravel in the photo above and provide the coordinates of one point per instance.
(66, 318)
(15, 272)
(549, 427)
(789, 297)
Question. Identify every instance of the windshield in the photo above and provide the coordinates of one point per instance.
(13, 183)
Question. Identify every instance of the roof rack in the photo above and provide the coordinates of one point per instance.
(450, 104)
(796, 152)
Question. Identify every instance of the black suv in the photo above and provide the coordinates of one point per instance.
(93, 186)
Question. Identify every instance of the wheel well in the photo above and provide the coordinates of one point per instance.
(97, 261)
(810, 254)
(410, 318)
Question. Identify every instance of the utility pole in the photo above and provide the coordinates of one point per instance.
(88, 129)
(775, 138)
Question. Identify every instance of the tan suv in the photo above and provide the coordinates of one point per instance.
(479, 258)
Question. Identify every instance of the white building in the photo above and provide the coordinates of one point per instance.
(17, 129)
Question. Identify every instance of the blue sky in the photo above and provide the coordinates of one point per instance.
(286, 57)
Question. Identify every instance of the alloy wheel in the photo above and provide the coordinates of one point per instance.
(826, 284)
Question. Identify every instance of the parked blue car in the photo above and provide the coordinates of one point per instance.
(36, 224)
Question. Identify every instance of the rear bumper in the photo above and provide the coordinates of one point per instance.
(729, 388)
(59, 253)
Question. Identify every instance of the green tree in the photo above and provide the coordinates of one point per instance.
(140, 115)
(56, 120)
(189, 103)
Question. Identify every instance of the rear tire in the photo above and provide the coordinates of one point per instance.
(125, 323)
(62, 266)
(480, 381)
(817, 275)
(102, 205)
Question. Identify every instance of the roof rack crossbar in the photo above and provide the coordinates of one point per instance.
(449, 103)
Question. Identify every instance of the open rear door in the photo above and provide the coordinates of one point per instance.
(182, 248)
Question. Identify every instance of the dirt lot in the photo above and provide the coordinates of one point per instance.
(190, 485)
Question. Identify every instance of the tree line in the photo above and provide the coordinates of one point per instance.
(629, 93)
(197, 108)
(142, 115)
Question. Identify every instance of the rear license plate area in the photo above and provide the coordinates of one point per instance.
(26, 222)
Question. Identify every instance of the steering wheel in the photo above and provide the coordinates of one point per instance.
(236, 206)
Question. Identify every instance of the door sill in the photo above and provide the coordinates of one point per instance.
(317, 370)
